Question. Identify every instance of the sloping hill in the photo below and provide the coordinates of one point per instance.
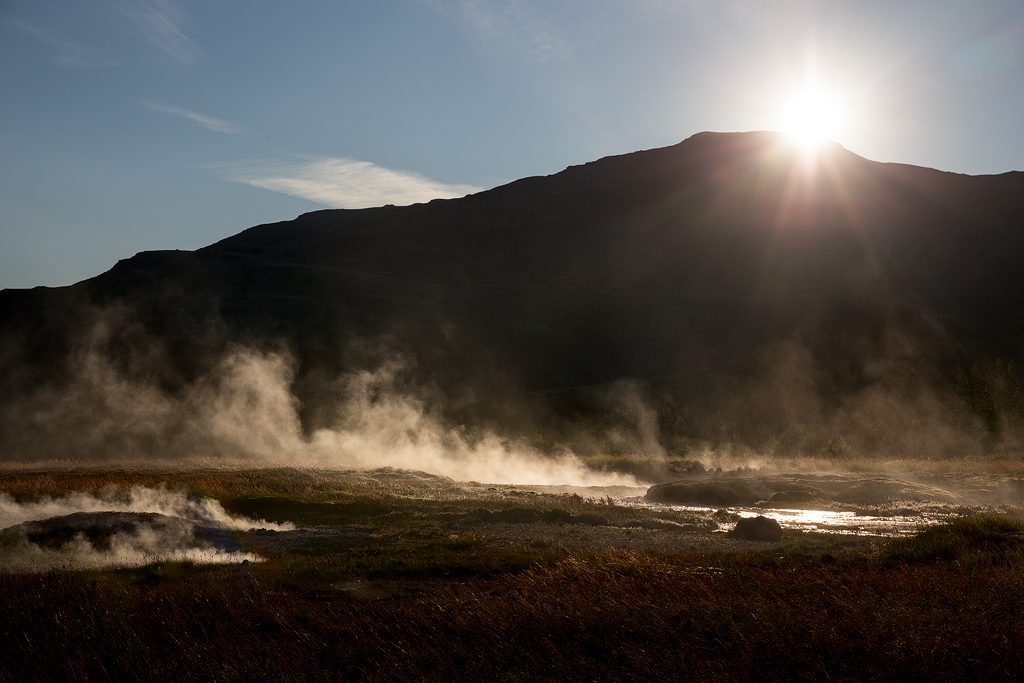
(681, 266)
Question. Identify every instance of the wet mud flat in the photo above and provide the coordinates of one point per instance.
(819, 513)
(387, 510)
(846, 503)
(367, 514)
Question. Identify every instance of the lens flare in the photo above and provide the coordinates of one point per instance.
(812, 116)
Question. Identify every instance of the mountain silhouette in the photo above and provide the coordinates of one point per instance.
(680, 268)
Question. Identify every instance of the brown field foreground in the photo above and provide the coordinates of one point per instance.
(402, 576)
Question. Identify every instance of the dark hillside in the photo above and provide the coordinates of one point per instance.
(681, 266)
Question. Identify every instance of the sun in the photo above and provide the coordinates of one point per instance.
(811, 116)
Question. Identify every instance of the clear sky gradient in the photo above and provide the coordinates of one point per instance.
(129, 125)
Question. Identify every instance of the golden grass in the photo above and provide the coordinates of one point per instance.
(415, 601)
(611, 616)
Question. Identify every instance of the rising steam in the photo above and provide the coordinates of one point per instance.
(181, 528)
(245, 412)
(845, 396)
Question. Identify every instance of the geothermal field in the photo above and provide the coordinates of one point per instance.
(378, 574)
(693, 413)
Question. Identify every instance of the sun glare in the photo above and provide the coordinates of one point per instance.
(811, 116)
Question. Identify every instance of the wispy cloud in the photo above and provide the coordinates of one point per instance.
(158, 22)
(66, 52)
(210, 122)
(529, 32)
(109, 32)
(741, 10)
(343, 183)
(514, 23)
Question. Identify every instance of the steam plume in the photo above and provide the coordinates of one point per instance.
(245, 412)
(168, 535)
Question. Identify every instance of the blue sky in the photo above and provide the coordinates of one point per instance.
(129, 125)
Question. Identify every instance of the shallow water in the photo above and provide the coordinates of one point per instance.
(825, 521)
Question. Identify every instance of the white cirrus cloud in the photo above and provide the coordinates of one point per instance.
(516, 23)
(67, 52)
(108, 33)
(158, 22)
(215, 124)
(343, 183)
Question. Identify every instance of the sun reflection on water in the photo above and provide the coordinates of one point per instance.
(824, 521)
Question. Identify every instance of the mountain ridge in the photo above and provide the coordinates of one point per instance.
(694, 260)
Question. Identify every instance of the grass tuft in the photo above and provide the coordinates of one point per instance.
(965, 542)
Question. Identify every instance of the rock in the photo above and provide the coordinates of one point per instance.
(100, 528)
(758, 528)
(794, 498)
(718, 492)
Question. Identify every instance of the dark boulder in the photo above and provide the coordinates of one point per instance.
(758, 528)
(97, 528)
